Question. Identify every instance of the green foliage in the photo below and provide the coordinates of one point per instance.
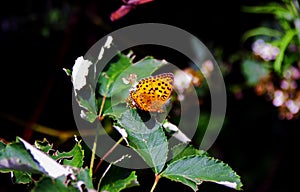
(25, 161)
(282, 35)
(261, 31)
(193, 170)
(89, 104)
(110, 99)
(21, 177)
(44, 145)
(2, 145)
(72, 158)
(118, 179)
(272, 66)
(116, 88)
(182, 150)
(14, 157)
(285, 41)
(83, 175)
(254, 71)
(107, 79)
(150, 144)
(276, 9)
(48, 184)
(148, 141)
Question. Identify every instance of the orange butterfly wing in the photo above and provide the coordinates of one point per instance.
(152, 93)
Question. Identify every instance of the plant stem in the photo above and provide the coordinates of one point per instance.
(101, 107)
(93, 155)
(108, 153)
(157, 177)
(103, 175)
(95, 141)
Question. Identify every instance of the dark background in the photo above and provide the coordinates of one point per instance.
(35, 89)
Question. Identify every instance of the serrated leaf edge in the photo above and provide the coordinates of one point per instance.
(226, 183)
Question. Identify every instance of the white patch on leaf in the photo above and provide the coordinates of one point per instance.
(80, 72)
(228, 184)
(101, 53)
(122, 132)
(108, 42)
(170, 126)
(178, 134)
(82, 114)
(107, 45)
(52, 168)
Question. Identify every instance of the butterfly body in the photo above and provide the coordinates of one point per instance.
(151, 93)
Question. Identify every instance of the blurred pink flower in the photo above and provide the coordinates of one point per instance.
(288, 84)
(279, 98)
(207, 68)
(182, 81)
(264, 50)
(292, 73)
(292, 106)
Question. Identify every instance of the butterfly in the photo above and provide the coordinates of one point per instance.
(151, 93)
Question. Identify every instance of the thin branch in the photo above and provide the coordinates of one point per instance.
(93, 155)
(157, 177)
(108, 153)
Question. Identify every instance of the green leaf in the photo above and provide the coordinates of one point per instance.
(118, 179)
(21, 177)
(88, 102)
(272, 8)
(193, 170)
(182, 150)
(49, 165)
(150, 144)
(89, 116)
(283, 45)
(2, 145)
(116, 111)
(254, 71)
(143, 68)
(84, 176)
(47, 184)
(72, 158)
(107, 78)
(44, 145)
(187, 182)
(265, 31)
(83, 182)
(83, 79)
(68, 71)
(14, 157)
(290, 60)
